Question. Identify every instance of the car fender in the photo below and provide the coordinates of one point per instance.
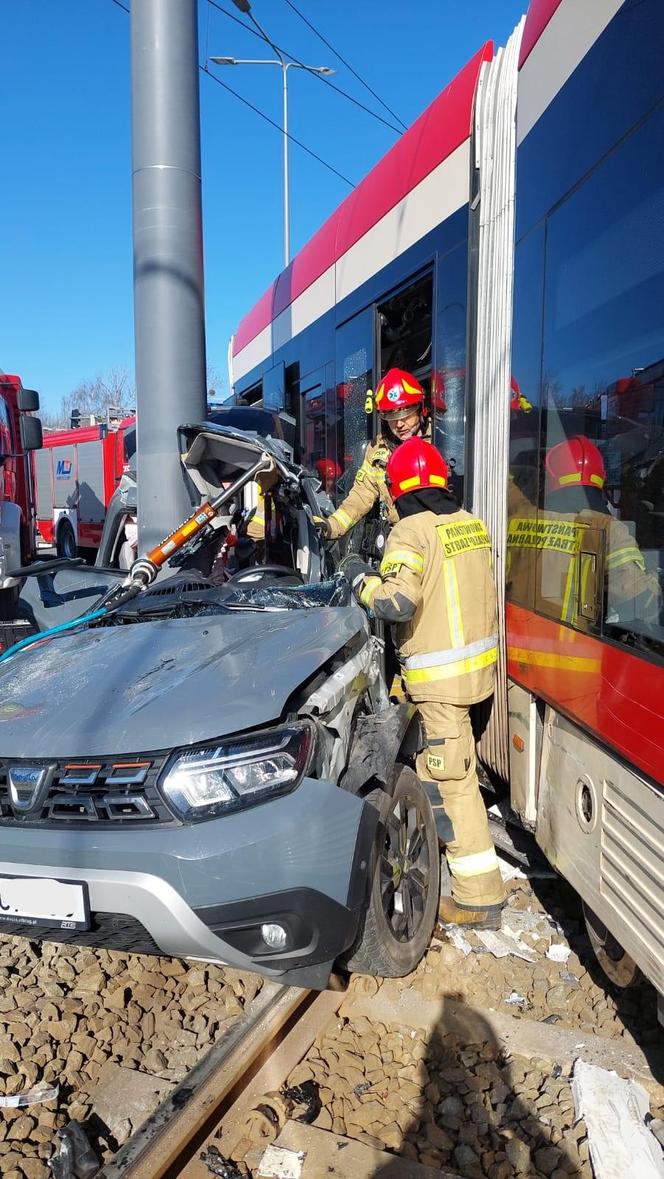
(379, 741)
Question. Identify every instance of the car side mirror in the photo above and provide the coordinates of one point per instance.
(28, 400)
(31, 433)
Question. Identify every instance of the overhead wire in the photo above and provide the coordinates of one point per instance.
(257, 111)
(345, 62)
(272, 123)
(309, 70)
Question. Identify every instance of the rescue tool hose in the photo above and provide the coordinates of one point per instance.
(145, 569)
(54, 630)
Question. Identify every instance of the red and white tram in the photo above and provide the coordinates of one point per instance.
(509, 250)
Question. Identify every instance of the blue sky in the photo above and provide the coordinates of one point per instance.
(65, 230)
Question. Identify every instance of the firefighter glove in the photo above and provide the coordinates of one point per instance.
(323, 527)
(355, 569)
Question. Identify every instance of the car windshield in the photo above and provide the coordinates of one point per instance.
(184, 596)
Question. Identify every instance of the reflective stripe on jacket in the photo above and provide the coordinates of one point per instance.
(436, 586)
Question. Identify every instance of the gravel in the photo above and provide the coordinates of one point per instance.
(117, 1031)
(82, 1018)
(446, 1102)
(572, 994)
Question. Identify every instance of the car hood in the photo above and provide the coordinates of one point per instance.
(157, 685)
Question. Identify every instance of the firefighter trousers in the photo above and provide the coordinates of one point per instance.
(447, 767)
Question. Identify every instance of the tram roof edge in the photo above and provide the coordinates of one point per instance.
(436, 133)
(538, 16)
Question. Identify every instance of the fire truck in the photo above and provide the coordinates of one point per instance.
(77, 472)
(20, 435)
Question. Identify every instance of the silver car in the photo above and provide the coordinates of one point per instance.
(215, 771)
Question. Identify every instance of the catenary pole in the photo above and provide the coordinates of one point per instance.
(168, 253)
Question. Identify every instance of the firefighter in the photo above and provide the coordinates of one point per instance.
(400, 403)
(436, 587)
(574, 553)
(329, 473)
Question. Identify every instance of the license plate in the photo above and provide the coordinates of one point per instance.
(39, 900)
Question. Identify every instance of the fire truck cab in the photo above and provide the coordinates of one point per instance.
(20, 435)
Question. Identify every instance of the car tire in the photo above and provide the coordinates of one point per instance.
(400, 917)
(66, 541)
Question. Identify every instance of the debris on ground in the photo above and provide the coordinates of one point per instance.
(279, 1163)
(67, 1013)
(221, 1167)
(75, 1159)
(614, 1111)
(37, 1096)
(503, 942)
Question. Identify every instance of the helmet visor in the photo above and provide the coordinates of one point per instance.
(397, 415)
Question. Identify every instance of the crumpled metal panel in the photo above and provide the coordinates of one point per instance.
(157, 685)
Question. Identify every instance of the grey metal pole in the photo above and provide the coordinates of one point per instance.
(168, 253)
(284, 69)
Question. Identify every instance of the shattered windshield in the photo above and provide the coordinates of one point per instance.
(185, 596)
(333, 592)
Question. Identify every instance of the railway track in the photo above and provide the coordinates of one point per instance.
(416, 1078)
(215, 1099)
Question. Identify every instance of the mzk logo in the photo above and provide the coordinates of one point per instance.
(63, 468)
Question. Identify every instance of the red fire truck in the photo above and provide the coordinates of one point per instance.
(77, 472)
(20, 435)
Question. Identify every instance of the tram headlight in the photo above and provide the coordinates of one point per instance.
(238, 772)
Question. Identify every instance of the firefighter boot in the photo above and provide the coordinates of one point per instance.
(481, 917)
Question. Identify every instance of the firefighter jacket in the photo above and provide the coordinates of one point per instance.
(436, 585)
(575, 565)
(369, 487)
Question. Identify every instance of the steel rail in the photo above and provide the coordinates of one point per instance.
(168, 1139)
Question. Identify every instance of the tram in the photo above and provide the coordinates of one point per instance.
(509, 251)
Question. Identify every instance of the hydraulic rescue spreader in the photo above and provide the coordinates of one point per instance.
(145, 569)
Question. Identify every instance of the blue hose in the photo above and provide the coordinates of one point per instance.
(55, 630)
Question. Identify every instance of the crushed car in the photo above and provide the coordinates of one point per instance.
(214, 771)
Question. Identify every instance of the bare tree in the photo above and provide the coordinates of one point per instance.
(112, 391)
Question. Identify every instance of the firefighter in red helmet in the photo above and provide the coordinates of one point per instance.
(436, 588)
(574, 556)
(328, 472)
(400, 402)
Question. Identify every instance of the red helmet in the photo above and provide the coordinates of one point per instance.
(399, 393)
(438, 392)
(575, 462)
(327, 468)
(414, 465)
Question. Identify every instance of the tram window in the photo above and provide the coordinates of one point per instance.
(314, 415)
(603, 359)
(354, 376)
(406, 333)
(253, 395)
(273, 387)
(448, 379)
(524, 475)
(291, 387)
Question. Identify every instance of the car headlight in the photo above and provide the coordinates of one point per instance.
(238, 772)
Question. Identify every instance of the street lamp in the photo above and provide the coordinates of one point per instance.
(245, 7)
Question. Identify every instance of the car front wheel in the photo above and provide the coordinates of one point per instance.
(404, 882)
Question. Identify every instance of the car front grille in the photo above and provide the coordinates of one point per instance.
(79, 792)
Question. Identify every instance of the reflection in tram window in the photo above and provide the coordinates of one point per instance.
(602, 380)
